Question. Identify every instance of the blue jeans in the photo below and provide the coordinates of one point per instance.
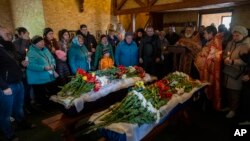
(11, 105)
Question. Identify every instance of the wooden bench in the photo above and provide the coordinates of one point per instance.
(66, 124)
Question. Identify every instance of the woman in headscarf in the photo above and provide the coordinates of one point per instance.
(78, 55)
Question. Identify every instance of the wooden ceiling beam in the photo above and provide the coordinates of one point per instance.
(152, 2)
(114, 7)
(177, 5)
(142, 4)
(114, 2)
(188, 4)
(121, 4)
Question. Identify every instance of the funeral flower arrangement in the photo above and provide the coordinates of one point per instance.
(142, 104)
(84, 82)
(182, 83)
(122, 72)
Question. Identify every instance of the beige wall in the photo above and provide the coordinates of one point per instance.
(241, 16)
(65, 14)
(58, 14)
(29, 14)
(180, 17)
(5, 14)
(140, 20)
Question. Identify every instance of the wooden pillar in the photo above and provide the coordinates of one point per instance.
(133, 22)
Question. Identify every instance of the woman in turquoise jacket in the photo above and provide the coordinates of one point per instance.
(41, 72)
(126, 53)
(104, 45)
(41, 67)
(78, 55)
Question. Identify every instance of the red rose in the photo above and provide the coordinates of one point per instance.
(81, 71)
(165, 81)
(97, 86)
(169, 95)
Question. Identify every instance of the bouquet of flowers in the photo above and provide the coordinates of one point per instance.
(181, 82)
(110, 73)
(83, 82)
(122, 72)
(140, 106)
(132, 71)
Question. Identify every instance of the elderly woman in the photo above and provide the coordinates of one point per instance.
(126, 53)
(103, 45)
(41, 72)
(234, 67)
(79, 57)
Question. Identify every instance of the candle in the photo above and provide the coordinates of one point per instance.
(89, 65)
(26, 57)
(228, 54)
(91, 45)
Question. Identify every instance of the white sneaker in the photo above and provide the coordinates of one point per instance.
(230, 114)
(244, 123)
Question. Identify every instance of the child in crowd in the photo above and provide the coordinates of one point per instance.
(106, 62)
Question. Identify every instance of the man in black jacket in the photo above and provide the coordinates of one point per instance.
(150, 52)
(89, 39)
(12, 91)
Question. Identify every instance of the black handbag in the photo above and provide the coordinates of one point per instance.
(232, 72)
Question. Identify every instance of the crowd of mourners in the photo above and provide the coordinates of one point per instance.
(33, 68)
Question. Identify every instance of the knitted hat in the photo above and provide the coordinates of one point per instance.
(241, 29)
(128, 34)
(36, 39)
(46, 31)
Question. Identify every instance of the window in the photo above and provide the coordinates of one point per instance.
(226, 20)
(216, 19)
